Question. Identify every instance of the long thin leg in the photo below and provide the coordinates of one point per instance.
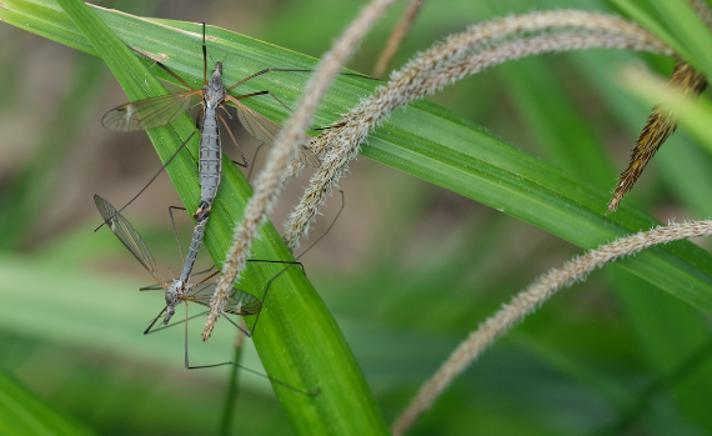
(154, 287)
(186, 361)
(204, 271)
(216, 272)
(263, 72)
(238, 326)
(164, 68)
(148, 329)
(175, 229)
(244, 162)
(280, 102)
(151, 180)
(269, 283)
(174, 75)
(328, 229)
(254, 159)
(284, 262)
(175, 323)
(258, 93)
(198, 315)
(288, 70)
(225, 111)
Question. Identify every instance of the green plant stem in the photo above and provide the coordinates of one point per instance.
(232, 388)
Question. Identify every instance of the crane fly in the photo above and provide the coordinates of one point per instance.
(213, 97)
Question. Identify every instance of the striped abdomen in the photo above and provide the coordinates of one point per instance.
(210, 162)
(195, 243)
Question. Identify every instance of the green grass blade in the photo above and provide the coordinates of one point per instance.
(21, 413)
(298, 340)
(425, 141)
(228, 414)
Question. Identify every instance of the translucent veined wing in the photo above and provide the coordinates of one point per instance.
(126, 233)
(151, 112)
(266, 131)
(239, 303)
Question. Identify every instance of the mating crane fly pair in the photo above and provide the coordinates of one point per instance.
(159, 111)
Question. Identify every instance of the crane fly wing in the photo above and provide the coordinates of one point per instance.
(126, 233)
(239, 303)
(151, 112)
(266, 131)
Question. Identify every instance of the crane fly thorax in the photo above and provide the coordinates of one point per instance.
(215, 89)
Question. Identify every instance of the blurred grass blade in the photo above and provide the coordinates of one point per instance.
(298, 341)
(23, 202)
(675, 22)
(424, 140)
(650, 315)
(22, 413)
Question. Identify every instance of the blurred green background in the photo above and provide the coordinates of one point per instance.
(406, 282)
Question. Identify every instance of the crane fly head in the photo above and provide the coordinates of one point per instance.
(173, 294)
